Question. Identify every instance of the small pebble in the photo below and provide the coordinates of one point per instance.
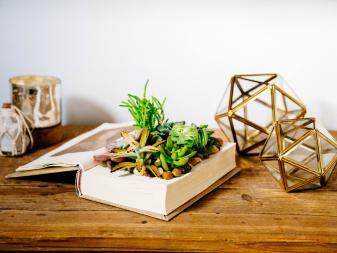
(214, 149)
(219, 142)
(167, 175)
(157, 162)
(194, 160)
(176, 172)
(186, 168)
(200, 155)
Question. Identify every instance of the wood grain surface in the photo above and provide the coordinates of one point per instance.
(248, 213)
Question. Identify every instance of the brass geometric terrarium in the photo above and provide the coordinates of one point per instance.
(250, 106)
(300, 154)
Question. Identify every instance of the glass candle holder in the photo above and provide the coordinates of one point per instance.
(39, 98)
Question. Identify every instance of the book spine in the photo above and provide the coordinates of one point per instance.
(78, 182)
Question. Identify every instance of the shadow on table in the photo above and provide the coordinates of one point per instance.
(61, 178)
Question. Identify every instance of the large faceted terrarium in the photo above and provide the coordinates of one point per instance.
(299, 154)
(250, 106)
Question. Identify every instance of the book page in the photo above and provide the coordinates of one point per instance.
(80, 150)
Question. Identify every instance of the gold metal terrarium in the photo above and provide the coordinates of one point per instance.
(250, 106)
(300, 154)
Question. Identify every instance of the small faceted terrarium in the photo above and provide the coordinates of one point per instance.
(300, 154)
(250, 106)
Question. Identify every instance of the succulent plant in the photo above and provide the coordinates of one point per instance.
(138, 153)
(158, 147)
(146, 113)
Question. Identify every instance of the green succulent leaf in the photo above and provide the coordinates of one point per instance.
(123, 165)
(181, 161)
(184, 135)
(148, 149)
(144, 137)
(124, 154)
(190, 155)
(164, 162)
(131, 141)
(182, 151)
(154, 170)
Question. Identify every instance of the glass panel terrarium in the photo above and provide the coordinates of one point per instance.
(300, 154)
(250, 106)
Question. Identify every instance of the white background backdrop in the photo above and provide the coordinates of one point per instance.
(188, 49)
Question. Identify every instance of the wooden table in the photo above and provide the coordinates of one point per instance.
(248, 213)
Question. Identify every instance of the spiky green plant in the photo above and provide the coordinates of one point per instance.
(146, 113)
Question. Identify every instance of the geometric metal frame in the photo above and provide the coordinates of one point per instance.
(248, 137)
(321, 174)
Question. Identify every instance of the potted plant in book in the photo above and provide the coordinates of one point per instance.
(158, 147)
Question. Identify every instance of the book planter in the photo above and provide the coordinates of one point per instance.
(249, 107)
(299, 154)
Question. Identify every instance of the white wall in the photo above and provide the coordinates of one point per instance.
(188, 49)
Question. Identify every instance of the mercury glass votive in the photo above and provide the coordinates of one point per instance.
(39, 99)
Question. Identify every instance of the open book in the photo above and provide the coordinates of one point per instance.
(76, 153)
(155, 197)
